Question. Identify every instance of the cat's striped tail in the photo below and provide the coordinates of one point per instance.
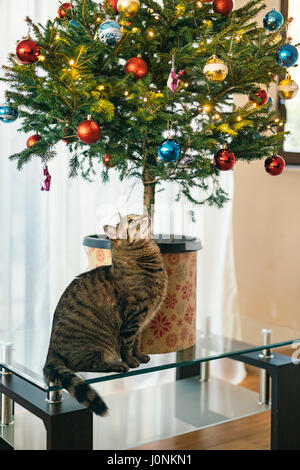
(57, 372)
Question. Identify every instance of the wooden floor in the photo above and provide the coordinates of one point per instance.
(250, 433)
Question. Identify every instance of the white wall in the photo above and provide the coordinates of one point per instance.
(267, 240)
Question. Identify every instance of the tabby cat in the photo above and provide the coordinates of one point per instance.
(98, 321)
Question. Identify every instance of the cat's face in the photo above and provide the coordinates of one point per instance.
(131, 227)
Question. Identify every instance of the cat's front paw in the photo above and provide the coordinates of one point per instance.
(118, 367)
(133, 362)
(142, 357)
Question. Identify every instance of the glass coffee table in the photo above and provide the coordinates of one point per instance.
(156, 412)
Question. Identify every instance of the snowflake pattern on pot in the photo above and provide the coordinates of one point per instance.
(169, 272)
(192, 338)
(170, 301)
(187, 291)
(184, 333)
(173, 258)
(171, 340)
(100, 255)
(189, 315)
(160, 325)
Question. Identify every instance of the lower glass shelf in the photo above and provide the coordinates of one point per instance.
(150, 414)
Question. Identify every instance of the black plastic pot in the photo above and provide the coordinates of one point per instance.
(167, 244)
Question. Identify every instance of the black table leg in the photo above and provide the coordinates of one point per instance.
(71, 431)
(285, 414)
(5, 445)
(69, 425)
(285, 399)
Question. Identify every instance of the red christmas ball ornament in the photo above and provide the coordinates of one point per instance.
(259, 97)
(224, 7)
(224, 160)
(113, 4)
(274, 165)
(89, 131)
(63, 10)
(107, 161)
(137, 66)
(33, 139)
(27, 51)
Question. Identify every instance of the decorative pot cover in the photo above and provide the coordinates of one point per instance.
(174, 326)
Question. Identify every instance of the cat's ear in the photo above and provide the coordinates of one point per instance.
(110, 231)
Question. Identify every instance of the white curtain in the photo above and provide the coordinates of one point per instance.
(41, 233)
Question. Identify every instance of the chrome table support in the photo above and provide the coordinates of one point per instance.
(54, 396)
(205, 365)
(7, 405)
(264, 377)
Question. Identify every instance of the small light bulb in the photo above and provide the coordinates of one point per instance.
(72, 62)
(217, 116)
(98, 19)
(280, 124)
(151, 33)
(42, 58)
(145, 99)
(126, 93)
(57, 36)
(135, 30)
(156, 17)
(239, 118)
(101, 87)
(206, 107)
(199, 4)
(277, 120)
(186, 84)
(151, 10)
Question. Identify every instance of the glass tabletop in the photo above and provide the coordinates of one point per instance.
(227, 337)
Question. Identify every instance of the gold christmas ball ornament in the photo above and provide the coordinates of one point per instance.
(276, 39)
(288, 88)
(128, 7)
(215, 69)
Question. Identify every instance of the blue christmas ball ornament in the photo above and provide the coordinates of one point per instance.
(110, 32)
(169, 150)
(74, 23)
(269, 103)
(287, 55)
(273, 20)
(8, 113)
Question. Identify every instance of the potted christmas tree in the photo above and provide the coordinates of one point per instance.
(147, 89)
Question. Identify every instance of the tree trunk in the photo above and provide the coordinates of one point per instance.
(149, 199)
(149, 175)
